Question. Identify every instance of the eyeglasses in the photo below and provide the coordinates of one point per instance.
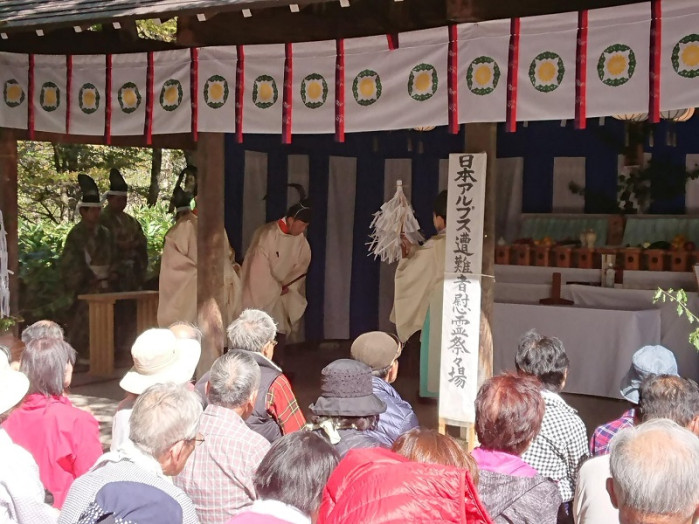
(196, 440)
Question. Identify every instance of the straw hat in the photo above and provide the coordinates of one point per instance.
(160, 357)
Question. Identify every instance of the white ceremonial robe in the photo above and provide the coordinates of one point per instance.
(274, 259)
(178, 273)
(419, 289)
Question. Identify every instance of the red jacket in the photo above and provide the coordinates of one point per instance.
(378, 486)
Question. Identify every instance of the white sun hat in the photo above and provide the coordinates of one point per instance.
(13, 385)
(160, 357)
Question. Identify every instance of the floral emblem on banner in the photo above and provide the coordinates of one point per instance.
(482, 75)
(685, 56)
(171, 94)
(50, 97)
(13, 93)
(616, 65)
(314, 91)
(129, 97)
(264, 92)
(216, 91)
(366, 87)
(88, 98)
(546, 71)
(423, 82)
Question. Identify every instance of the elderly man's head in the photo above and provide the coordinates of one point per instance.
(253, 330)
(48, 363)
(186, 331)
(42, 329)
(164, 424)
(654, 474)
(543, 357)
(509, 412)
(671, 397)
(234, 381)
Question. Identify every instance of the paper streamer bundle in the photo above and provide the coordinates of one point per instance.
(4, 273)
(395, 218)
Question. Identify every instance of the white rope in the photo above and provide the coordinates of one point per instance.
(4, 272)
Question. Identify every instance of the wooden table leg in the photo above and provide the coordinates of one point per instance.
(146, 313)
(101, 337)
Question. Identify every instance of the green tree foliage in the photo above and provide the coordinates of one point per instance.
(679, 297)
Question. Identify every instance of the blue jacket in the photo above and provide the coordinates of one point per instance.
(398, 418)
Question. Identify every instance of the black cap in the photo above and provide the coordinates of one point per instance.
(89, 189)
(440, 205)
(116, 181)
(180, 198)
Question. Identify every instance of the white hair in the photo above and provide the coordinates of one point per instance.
(654, 467)
(184, 330)
(234, 378)
(163, 415)
(251, 331)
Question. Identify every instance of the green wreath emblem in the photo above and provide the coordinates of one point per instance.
(125, 106)
(314, 104)
(207, 93)
(471, 70)
(42, 97)
(421, 97)
(686, 73)
(616, 48)
(13, 85)
(256, 92)
(168, 85)
(546, 55)
(366, 73)
(81, 100)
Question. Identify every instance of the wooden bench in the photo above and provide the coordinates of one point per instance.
(102, 324)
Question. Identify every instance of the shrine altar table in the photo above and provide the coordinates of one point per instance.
(599, 342)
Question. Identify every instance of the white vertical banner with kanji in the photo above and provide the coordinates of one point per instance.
(458, 375)
(14, 82)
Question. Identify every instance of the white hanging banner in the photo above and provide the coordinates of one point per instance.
(172, 101)
(13, 79)
(546, 78)
(313, 87)
(264, 83)
(50, 93)
(458, 376)
(618, 50)
(483, 58)
(396, 89)
(216, 89)
(129, 86)
(87, 95)
(679, 72)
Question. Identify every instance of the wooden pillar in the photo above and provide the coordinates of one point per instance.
(482, 138)
(8, 204)
(210, 243)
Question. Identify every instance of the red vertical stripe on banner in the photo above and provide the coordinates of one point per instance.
(581, 72)
(340, 90)
(108, 100)
(239, 90)
(149, 99)
(30, 98)
(512, 72)
(287, 102)
(655, 49)
(69, 88)
(392, 39)
(453, 80)
(194, 90)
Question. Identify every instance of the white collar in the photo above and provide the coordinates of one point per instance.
(129, 451)
(276, 508)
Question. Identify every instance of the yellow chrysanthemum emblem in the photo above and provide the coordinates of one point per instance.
(616, 65)
(546, 71)
(685, 56)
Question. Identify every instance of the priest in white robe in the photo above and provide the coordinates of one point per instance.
(275, 267)
(419, 289)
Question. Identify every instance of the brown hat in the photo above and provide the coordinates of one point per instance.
(376, 349)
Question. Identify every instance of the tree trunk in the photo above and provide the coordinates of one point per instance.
(155, 172)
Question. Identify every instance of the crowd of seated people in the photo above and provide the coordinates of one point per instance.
(235, 448)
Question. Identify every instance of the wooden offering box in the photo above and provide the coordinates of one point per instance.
(584, 258)
(631, 258)
(680, 260)
(563, 256)
(655, 259)
(502, 254)
(521, 255)
(542, 256)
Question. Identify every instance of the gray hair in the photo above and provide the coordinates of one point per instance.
(42, 329)
(186, 330)
(163, 415)
(251, 331)
(234, 378)
(544, 357)
(654, 467)
(44, 362)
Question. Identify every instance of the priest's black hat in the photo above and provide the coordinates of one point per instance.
(301, 210)
(90, 191)
(181, 199)
(117, 184)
